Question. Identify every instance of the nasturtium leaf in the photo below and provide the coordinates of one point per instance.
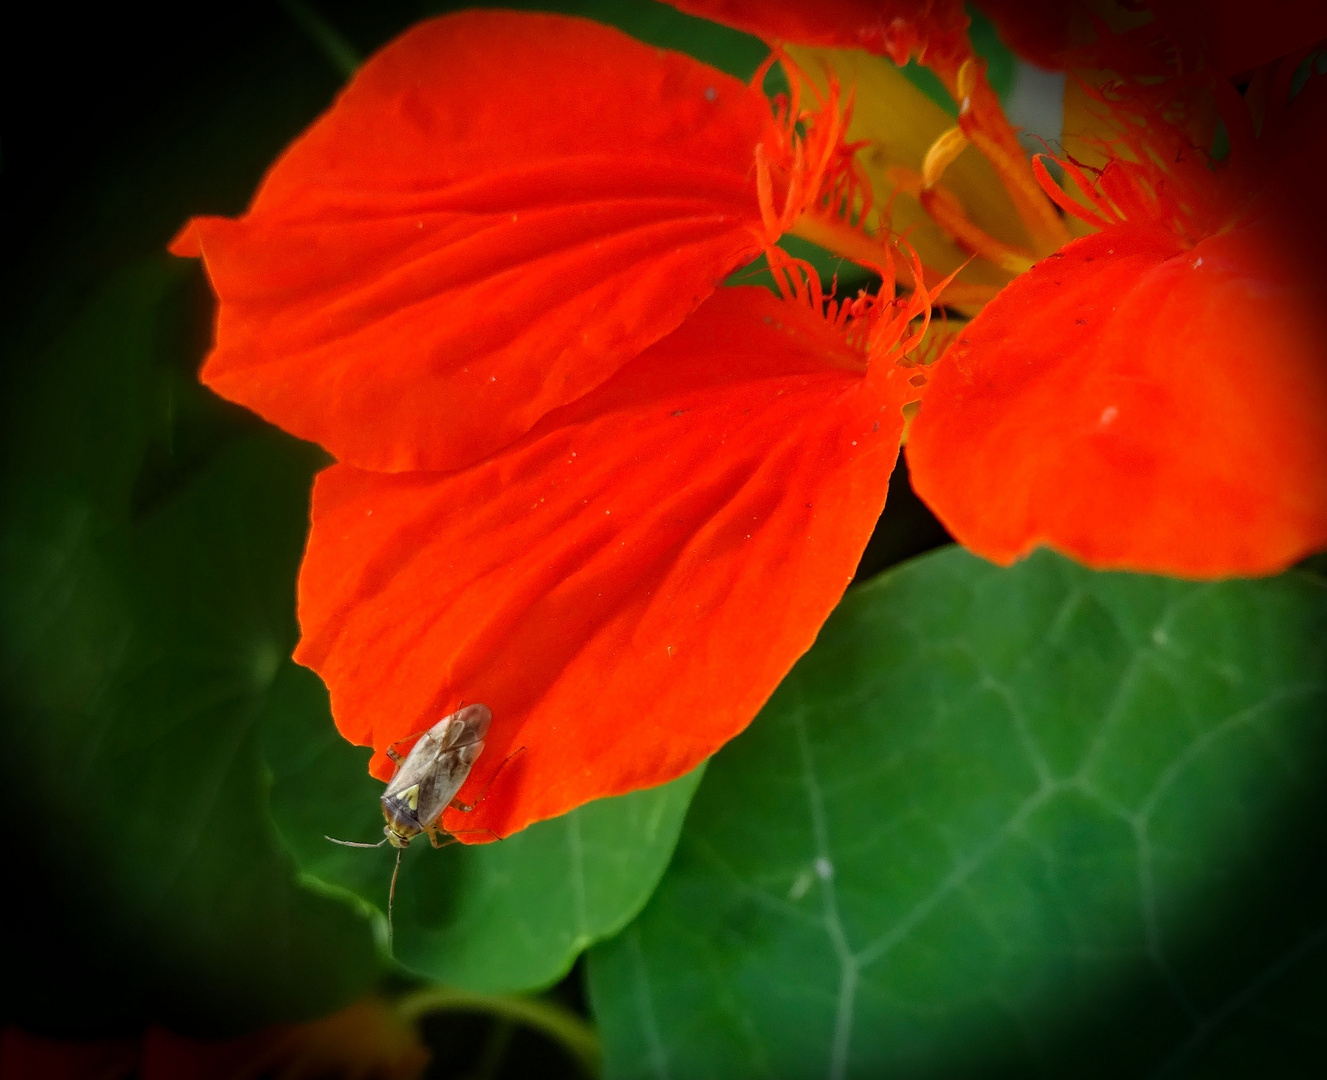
(1035, 821)
(146, 612)
(665, 27)
(493, 917)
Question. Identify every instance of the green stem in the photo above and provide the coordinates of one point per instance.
(557, 1022)
(338, 51)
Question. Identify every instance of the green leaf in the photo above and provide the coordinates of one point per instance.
(1034, 821)
(1001, 63)
(663, 26)
(492, 917)
(140, 640)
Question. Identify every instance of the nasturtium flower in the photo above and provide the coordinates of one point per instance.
(1152, 396)
(581, 481)
(574, 482)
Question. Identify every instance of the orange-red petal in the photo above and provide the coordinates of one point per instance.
(625, 586)
(499, 211)
(366, 1039)
(894, 28)
(1138, 406)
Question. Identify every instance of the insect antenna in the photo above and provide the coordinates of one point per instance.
(353, 843)
(391, 893)
(391, 897)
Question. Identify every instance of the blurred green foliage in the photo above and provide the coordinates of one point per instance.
(141, 631)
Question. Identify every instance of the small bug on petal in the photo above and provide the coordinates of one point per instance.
(427, 779)
(426, 782)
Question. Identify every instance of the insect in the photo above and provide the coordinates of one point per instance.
(426, 782)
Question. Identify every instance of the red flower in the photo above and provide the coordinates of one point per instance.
(1152, 397)
(579, 484)
(571, 487)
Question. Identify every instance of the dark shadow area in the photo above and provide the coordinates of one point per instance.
(471, 1046)
(906, 528)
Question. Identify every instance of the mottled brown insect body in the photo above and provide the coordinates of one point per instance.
(426, 782)
(427, 779)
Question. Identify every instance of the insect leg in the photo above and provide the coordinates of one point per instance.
(465, 808)
(469, 832)
(391, 746)
(433, 838)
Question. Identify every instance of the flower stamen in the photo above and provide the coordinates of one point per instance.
(982, 119)
(877, 328)
(1153, 172)
(809, 160)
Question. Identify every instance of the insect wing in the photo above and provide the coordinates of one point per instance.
(436, 767)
